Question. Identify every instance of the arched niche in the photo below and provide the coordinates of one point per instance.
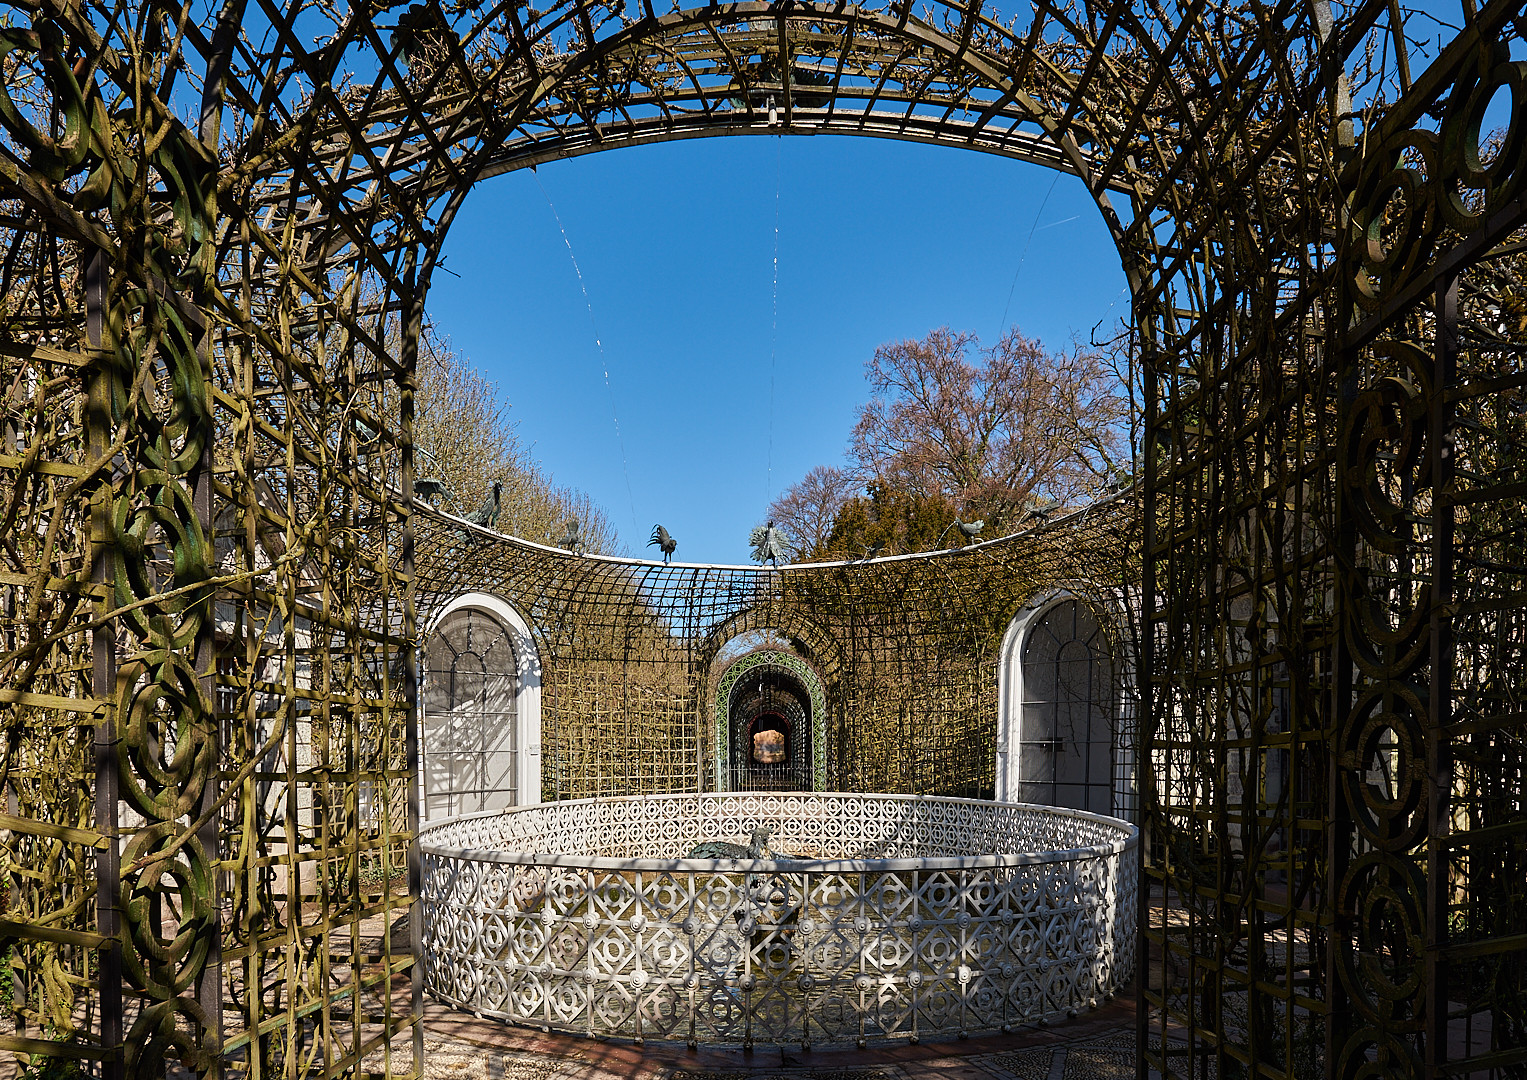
(760, 693)
(1061, 711)
(782, 623)
(480, 709)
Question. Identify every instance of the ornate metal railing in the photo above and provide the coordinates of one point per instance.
(893, 917)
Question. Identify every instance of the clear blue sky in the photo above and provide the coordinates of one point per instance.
(878, 240)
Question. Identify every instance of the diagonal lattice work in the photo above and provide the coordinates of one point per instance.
(633, 654)
(220, 227)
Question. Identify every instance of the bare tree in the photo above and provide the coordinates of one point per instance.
(1015, 427)
(467, 442)
(952, 428)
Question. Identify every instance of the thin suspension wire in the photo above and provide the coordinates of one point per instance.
(774, 327)
(603, 359)
(1032, 229)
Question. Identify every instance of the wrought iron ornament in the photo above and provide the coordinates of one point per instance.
(894, 918)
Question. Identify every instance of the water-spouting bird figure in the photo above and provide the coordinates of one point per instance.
(486, 515)
(430, 490)
(757, 847)
(572, 540)
(662, 541)
(768, 544)
(968, 529)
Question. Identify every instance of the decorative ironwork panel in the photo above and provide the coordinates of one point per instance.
(220, 229)
(1331, 452)
(881, 917)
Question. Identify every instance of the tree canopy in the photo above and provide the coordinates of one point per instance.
(953, 429)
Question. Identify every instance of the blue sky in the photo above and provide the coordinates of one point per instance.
(878, 240)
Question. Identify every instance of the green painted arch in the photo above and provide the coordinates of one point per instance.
(783, 661)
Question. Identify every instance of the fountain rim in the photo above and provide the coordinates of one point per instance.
(1130, 836)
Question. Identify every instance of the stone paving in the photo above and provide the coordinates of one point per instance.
(1097, 1046)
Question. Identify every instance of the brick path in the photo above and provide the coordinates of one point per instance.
(1099, 1045)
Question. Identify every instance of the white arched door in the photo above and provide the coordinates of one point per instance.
(481, 715)
(1058, 719)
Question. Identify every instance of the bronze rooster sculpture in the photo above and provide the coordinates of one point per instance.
(662, 541)
(486, 515)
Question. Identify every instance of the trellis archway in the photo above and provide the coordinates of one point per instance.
(221, 230)
(758, 663)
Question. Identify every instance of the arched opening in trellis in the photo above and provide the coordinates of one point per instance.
(1068, 728)
(1066, 731)
(771, 725)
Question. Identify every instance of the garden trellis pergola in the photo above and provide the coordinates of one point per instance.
(906, 649)
(221, 226)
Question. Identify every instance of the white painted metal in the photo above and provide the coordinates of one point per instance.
(527, 710)
(903, 918)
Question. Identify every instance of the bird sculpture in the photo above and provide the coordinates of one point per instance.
(572, 540)
(768, 544)
(662, 541)
(430, 490)
(486, 515)
(967, 529)
(874, 550)
(756, 848)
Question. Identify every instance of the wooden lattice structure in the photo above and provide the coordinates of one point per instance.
(220, 229)
(906, 648)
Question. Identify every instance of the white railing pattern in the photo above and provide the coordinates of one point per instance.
(894, 917)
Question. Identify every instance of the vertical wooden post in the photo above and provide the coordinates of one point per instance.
(413, 327)
(108, 860)
(1143, 722)
(1439, 768)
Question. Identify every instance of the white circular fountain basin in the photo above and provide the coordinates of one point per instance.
(882, 917)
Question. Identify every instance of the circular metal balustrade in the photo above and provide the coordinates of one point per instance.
(880, 917)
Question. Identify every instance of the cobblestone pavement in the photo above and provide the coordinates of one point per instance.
(1098, 1046)
(1108, 1058)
